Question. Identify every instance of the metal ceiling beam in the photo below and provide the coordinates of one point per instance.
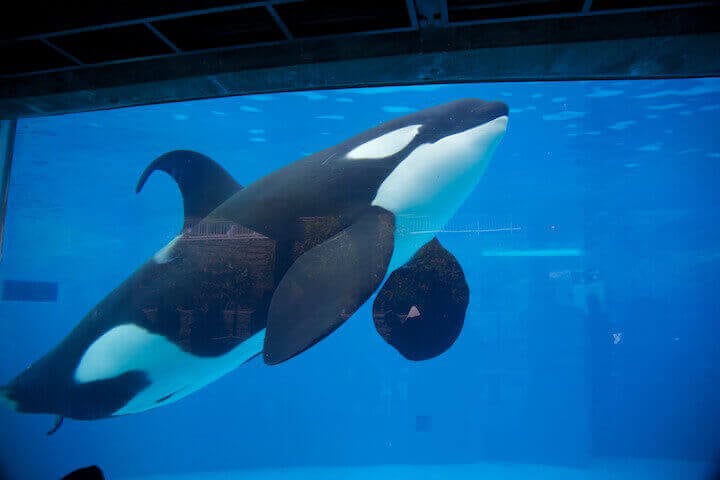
(162, 37)
(442, 7)
(412, 13)
(558, 28)
(150, 19)
(62, 52)
(424, 9)
(279, 22)
(659, 57)
(674, 43)
(594, 13)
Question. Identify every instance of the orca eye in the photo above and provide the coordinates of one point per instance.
(385, 145)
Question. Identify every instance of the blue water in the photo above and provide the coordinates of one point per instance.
(591, 247)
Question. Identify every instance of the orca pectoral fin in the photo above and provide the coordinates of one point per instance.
(327, 284)
(203, 183)
(420, 310)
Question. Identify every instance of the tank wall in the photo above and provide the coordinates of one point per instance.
(590, 247)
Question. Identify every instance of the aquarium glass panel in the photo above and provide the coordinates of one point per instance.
(512, 280)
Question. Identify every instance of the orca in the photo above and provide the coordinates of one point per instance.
(86, 473)
(274, 267)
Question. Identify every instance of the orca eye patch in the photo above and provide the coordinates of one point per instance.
(385, 145)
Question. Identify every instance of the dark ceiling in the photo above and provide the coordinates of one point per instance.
(50, 48)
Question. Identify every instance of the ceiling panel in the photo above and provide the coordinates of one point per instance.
(107, 45)
(317, 18)
(476, 10)
(237, 27)
(32, 17)
(30, 56)
(599, 5)
(90, 46)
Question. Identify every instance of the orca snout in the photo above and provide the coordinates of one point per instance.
(484, 111)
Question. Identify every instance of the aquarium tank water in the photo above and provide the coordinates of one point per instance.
(468, 281)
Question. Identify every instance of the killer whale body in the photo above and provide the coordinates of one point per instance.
(86, 473)
(276, 266)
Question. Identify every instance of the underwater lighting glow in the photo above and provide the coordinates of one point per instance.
(549, 252)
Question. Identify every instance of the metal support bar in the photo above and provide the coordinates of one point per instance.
(162, 37)
(62, 52)
(445, 16)
(412, 13)
(7, 143)
(279, 21)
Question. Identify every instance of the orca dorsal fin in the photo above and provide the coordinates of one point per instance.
(203, 183)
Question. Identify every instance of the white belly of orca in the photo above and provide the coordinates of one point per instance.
(432, 182)
(172, 372)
